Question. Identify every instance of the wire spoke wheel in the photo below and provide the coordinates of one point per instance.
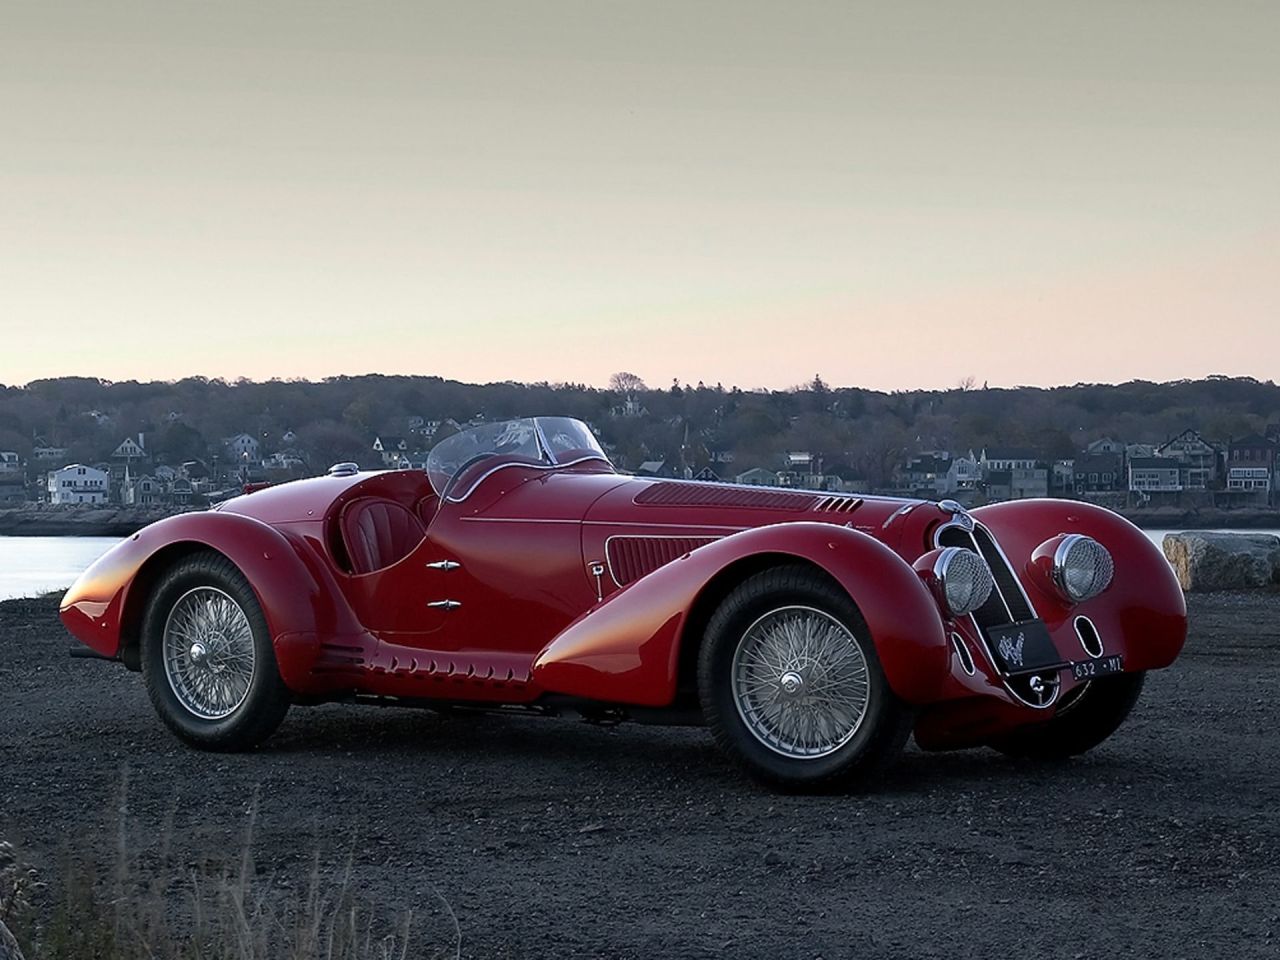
(800, 682)
(209, 653)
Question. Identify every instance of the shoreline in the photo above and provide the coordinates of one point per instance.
(117, 521)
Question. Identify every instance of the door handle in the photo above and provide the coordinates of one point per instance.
(445, 604)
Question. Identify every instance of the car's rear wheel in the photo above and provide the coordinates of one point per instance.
(207, 657)
(791, 685)
(1088, 718)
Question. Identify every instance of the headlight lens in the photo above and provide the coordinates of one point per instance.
(1082, 568)
(964, 580)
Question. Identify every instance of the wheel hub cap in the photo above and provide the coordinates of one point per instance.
(800, 682)
(209, 653)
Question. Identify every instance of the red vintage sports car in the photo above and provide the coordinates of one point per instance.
(812, 632)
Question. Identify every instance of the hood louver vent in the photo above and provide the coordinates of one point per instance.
(721, 495)
(838, 504)
(630, 558)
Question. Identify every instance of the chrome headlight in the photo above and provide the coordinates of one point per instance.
(964, 580)
(1082, 567)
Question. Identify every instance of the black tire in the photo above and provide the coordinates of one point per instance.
(1080, 724)
(267, 699)
(879, 736)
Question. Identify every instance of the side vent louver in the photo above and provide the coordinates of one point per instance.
(630, 558)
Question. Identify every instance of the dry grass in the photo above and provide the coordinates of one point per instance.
(168, 911)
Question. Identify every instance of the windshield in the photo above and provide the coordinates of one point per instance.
(457, 463)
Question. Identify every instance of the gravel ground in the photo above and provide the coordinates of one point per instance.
(554, 838)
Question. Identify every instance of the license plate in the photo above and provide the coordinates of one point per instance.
(1024, 647)
(1088, 669)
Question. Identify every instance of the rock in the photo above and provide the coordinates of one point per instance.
(1223, 561)
(8, 946)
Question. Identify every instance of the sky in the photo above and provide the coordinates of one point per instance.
(890, 195)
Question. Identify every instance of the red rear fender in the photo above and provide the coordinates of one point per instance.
(104, 607)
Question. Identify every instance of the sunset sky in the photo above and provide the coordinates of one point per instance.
(892, 195)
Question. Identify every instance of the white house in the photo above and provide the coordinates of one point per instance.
(78, 484)
(242, 447)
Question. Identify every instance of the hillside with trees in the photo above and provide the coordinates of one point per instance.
(869, 432)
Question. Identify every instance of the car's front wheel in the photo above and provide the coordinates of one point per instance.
(791, 685)
(1092, 714)
(207, 657)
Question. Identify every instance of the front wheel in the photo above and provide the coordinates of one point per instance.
(791, 685)
(1092, 714)
(207, 657)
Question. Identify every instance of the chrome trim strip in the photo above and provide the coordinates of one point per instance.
(444, 565)
(527, 466)
(961, 650)
(445, 604)
(1098, 649)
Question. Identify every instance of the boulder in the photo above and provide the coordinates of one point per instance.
(8, 946)
(1223, 561)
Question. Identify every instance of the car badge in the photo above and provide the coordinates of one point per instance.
(1011, 650)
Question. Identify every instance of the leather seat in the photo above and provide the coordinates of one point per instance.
(379, 533)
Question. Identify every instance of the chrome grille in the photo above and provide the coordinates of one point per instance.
(1007, 603)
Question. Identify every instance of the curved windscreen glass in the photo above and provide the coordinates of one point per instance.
(456, 464)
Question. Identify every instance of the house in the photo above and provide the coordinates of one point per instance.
(47, 453)
(758, 477)
(1007, 458)
(963, 473)
(12, 491)
(1105, 445)
(1251, 466)
(1062, 477)
(708, 475)
(1200, 457)
(999, 485)
(652, 468)
(10, 464)
(77, 483)
(288, 438)
(166, 474)
(927, 472)
(1098, 473)
(802, 462)
(181, 492)
(390, 448)
(241, 447)
(130, 449)
(1028, 482)
(1155, 475)
(144, 491)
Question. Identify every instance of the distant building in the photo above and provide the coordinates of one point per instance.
(1028, 482)
(130, 449)
(1199, 457)
(390, 449)
(79, 484)
(927, 473)
(12, 492)
(1105, 445)
(10, 464)
(758, 477)
(241, 447)
(999, 485)
(47, 453)
(963, 473)
(652, 468)
(707, 474)
(1062, 477)
(1008, 458)
(1155, 475)
(144, 491)
(1251, 465)
(1098, 473)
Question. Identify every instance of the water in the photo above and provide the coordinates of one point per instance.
(30, 566)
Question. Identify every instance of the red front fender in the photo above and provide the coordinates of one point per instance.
(627, 649)
(297, 595)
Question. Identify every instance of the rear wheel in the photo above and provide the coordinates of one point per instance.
(791, 685)
(1080, 724)
(207, 657)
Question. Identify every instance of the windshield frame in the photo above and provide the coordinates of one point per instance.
(547, 457)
